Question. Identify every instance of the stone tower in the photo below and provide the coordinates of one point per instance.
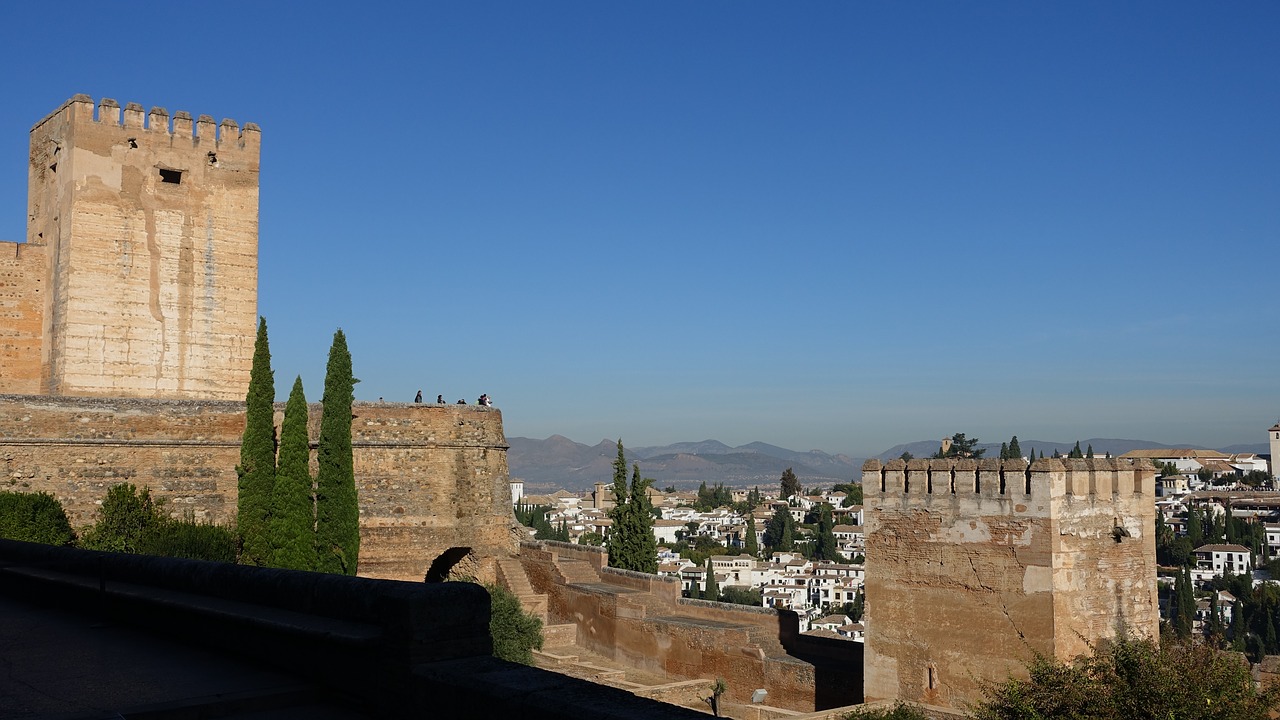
(974, 565)
(1274, 435)
(139, 274)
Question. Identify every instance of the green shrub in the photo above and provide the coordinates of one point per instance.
(131, 521)
(192, 540)
(34, 517)
(516, 633)
(898, 712)
(125, 520)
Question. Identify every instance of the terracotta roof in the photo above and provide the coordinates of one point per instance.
(1232, 548)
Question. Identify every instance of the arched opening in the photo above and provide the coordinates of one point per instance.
(440, 567)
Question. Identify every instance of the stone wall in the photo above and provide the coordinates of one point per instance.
(973, 566)
(22, 285)
(151, 229)
(642, 621)
(429, 477)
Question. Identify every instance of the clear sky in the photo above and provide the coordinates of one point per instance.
(831, 225)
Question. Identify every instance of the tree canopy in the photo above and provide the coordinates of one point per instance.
(960, 446)
(790, 485)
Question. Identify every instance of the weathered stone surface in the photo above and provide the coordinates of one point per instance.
(139, 275)
(972, 567)
(429, 477)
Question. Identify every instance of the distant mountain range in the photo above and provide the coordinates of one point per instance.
(559, 462)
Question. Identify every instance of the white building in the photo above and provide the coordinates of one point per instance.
(1218, 560)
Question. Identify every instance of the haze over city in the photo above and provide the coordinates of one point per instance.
(831, 226)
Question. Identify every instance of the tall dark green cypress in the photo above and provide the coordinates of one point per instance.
(619, 550)
(752, 544)
(1015, 450)
(825, 549)
(257, 469)
(293, 510)
(337, 506)
(710, 591)
(644, 544)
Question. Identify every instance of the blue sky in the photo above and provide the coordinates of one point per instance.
(820, 225)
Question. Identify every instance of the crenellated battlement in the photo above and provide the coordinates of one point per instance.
(1041, 481)
(202, 132)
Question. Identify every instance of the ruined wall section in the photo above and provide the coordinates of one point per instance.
(429, 478)
(973, 566)
(22, 283)
(151, 225)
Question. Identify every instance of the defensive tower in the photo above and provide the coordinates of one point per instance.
(974, 565)
(139, 274)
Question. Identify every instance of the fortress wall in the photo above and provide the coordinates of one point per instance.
(152, 227)
(974, 565)
(22, 280)
(642, 621)
(429, 477)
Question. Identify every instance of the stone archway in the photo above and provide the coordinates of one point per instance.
(452, 562)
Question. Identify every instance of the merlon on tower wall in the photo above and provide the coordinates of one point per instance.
(973, 565)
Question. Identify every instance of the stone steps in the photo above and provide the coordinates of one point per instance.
(512, 576)
(577, 572)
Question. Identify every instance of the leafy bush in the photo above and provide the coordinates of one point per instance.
(192, 540)
(898, 712)
(125, 521)
(34, 517)
(516, 633)
(1134, 679)
(131, 521)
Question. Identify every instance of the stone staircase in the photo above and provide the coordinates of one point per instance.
(512, 576)
(577, 572)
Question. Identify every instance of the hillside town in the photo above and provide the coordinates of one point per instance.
(1218, 519)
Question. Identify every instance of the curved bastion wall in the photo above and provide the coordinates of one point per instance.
(429, 477)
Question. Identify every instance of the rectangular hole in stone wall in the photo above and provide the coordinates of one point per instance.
(171, 176)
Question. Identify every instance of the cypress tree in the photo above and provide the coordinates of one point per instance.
(293, 511)
(1237, 629)
(752, 545)
(644, 544)
(257, 469)
(620, 555)
(337, 505)
(790, 484)
(788, 533)
(710, 591)
(826, 545)
(1004, 451)
(1015, 452)
(1075, 451)
(1089, 452)
(1177, 604)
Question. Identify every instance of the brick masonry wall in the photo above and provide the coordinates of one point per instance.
(429, 477)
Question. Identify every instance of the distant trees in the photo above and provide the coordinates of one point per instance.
(337, 505)
(779, 534)
(709, 499)
(825, 548)
(631, 543)
(257, 469)
(790, 485)
(960, 447)
(1076, 452)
